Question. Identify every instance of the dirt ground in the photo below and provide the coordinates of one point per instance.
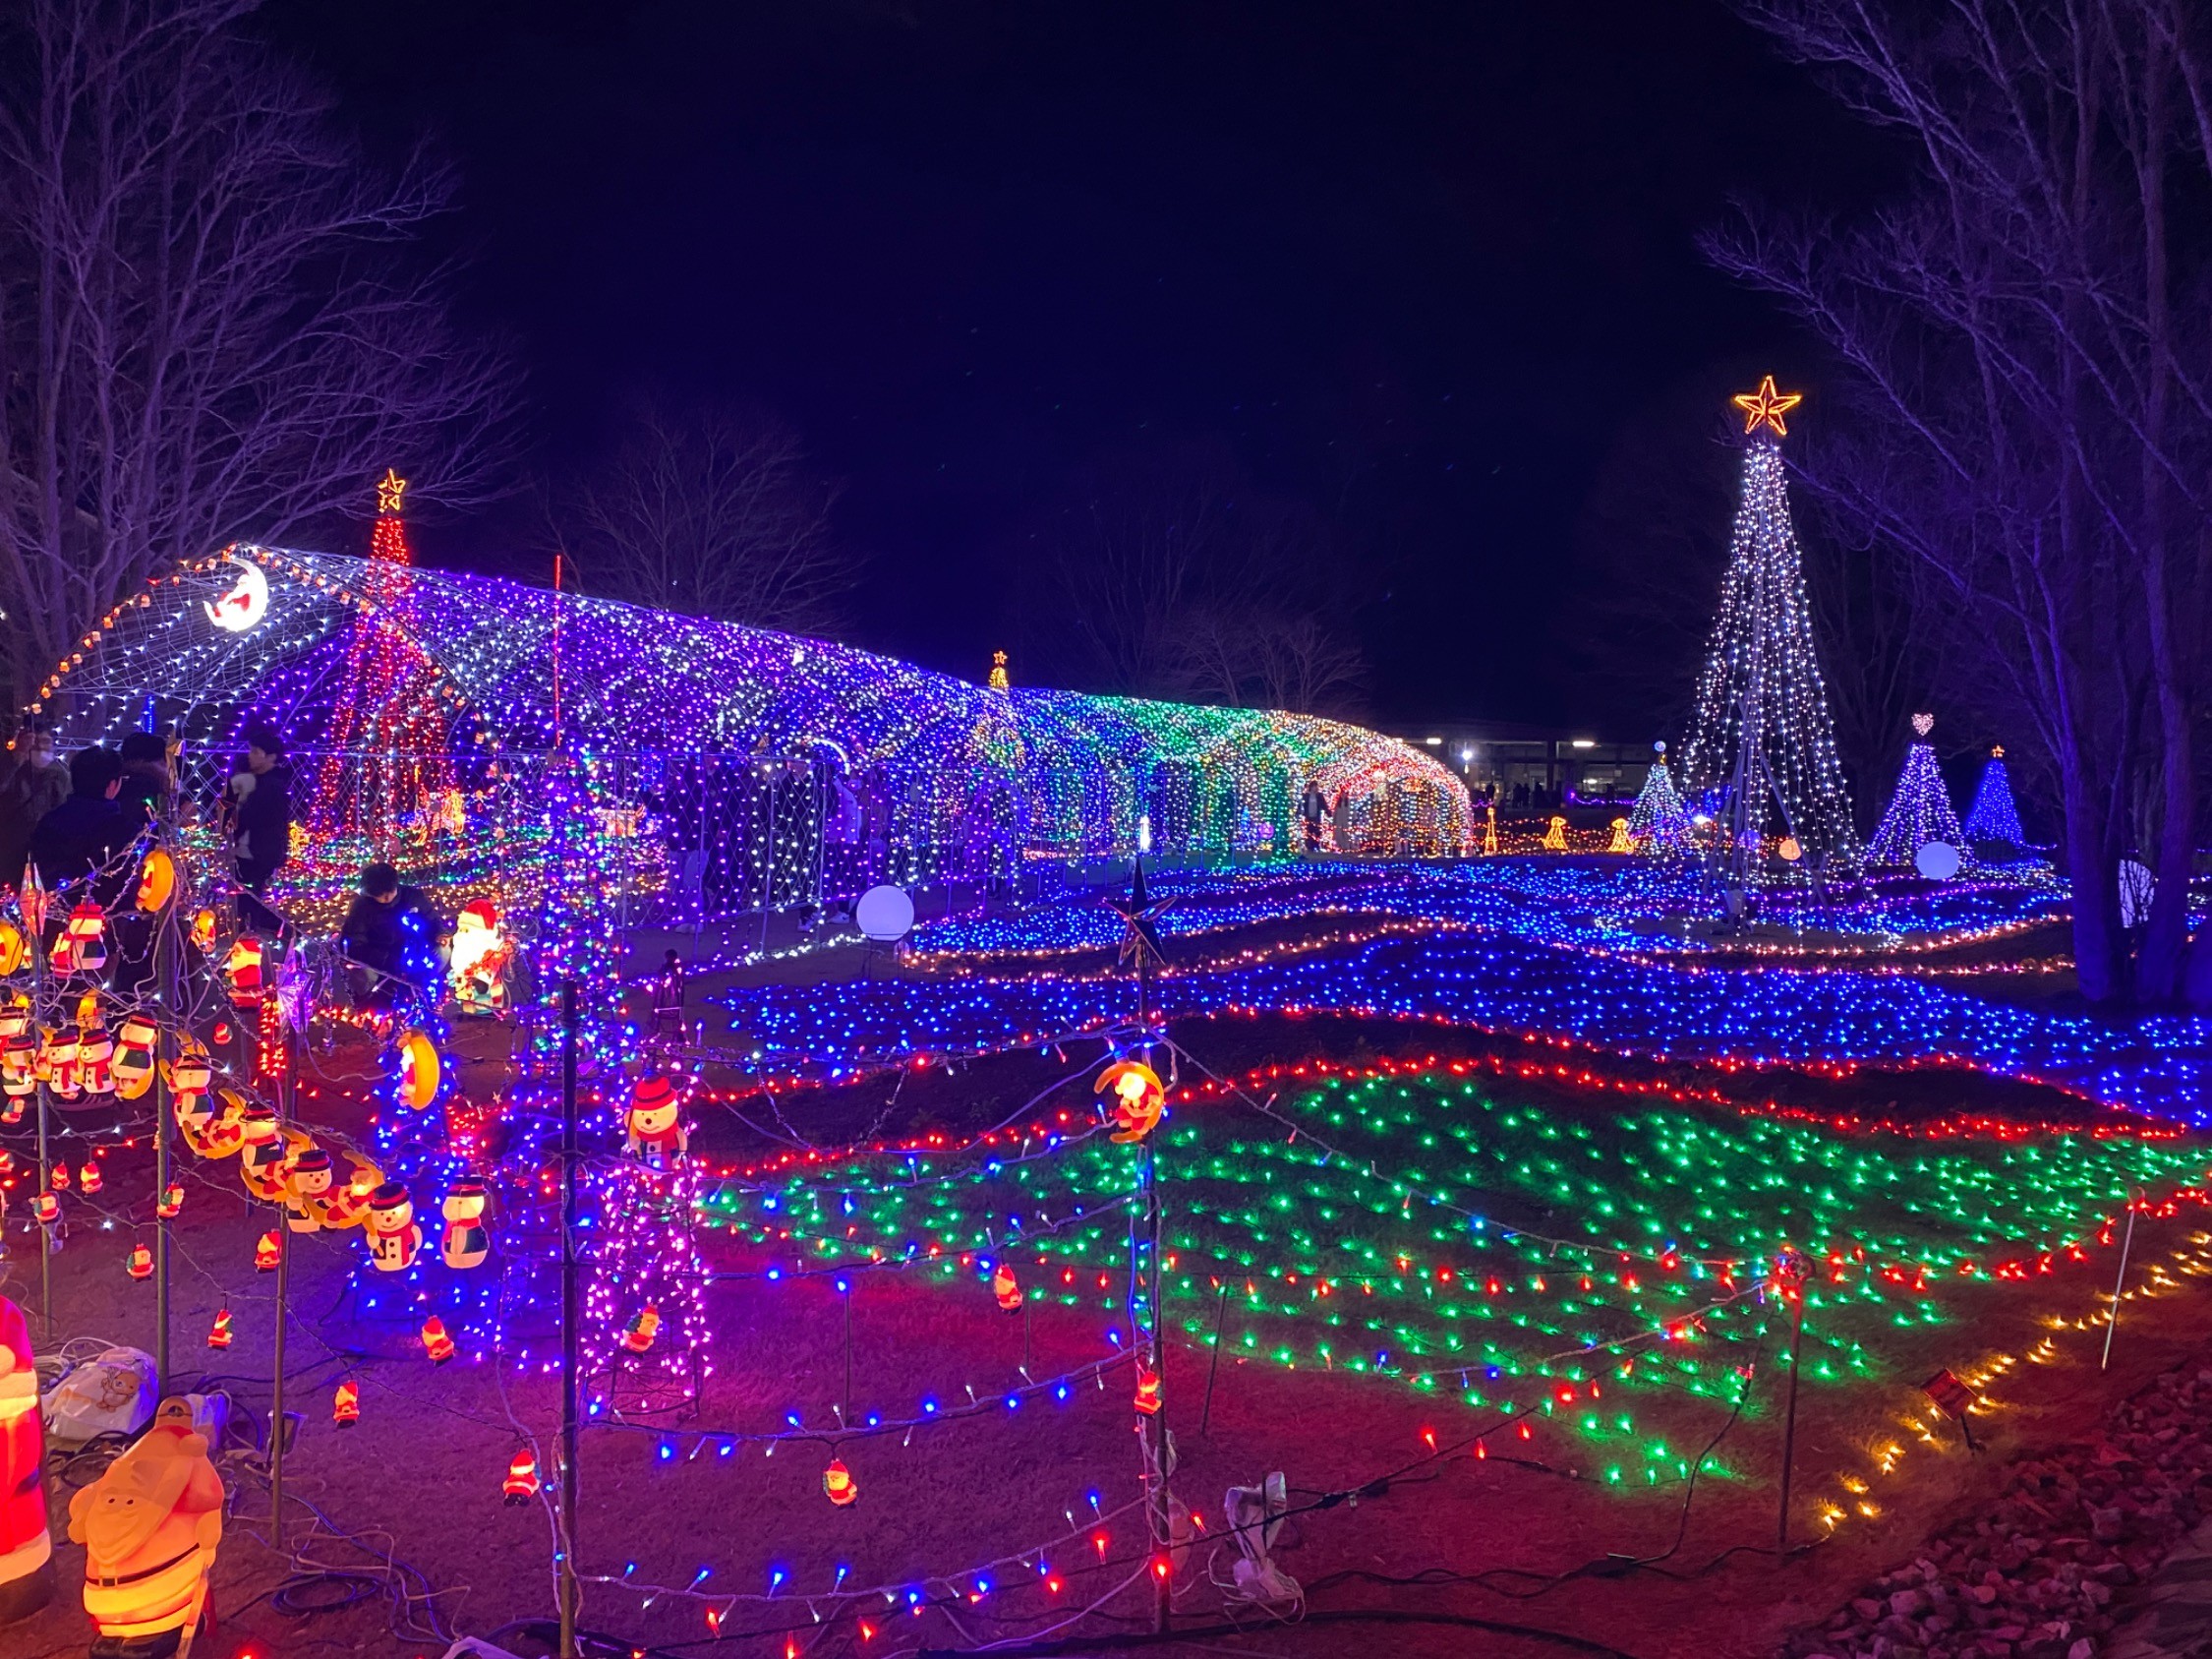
(668, 1523)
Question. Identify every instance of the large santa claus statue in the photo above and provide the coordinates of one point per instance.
(26, 1578)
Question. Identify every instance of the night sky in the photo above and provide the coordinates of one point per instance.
(1428, 268)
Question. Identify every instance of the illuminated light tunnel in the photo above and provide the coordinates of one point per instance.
(413, 699)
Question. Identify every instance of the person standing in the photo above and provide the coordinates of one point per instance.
(147, 779)
(390, 936)
(260, 820)
(37, 785)
(1314, 809)
(81, 839)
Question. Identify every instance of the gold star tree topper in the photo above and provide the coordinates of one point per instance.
(1765, 408)
(391, 486)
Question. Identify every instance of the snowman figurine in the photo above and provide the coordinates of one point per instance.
(467, 1240)
(655, 1138)
(393, 1237)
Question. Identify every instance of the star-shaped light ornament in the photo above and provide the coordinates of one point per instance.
(1765, 408)
(1141, 942)
(391, 487)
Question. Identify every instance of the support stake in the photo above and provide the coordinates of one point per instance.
(2119, 1283)
(571, 1599)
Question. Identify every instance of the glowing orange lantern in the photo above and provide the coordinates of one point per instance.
(219, 1336)
(203, 931)
(88, 1180)
(1790, 850)
(158, 881)
(268, 1250)
(838, 1484)
(12, 949)
(1003, 1287)
(521, 1484)
(345, 1404)
(1139, 1098)
(419, 1071)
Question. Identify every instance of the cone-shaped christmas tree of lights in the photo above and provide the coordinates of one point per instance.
(1920, 812)
(1762, 739)
(1993, 817)
(385, 787)
(1658, 822)
(646, 1307)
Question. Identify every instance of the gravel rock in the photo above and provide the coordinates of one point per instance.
(2032, 1575)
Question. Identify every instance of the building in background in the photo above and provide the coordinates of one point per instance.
(1568, 766)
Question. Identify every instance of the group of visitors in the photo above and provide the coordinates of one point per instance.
(70, 826)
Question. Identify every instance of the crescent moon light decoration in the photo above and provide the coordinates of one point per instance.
(245, 605)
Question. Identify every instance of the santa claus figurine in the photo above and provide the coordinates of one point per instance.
(149, 1526)
(393, 1236)
(656, 1136)
(25, 1548)
(467, 1240)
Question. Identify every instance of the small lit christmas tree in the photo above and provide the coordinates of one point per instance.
(1920, 812)
(1658, 822)
(1762, 739)
(1993, 817)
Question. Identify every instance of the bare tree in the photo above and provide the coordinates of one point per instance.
(1268, 657)
(211, 326)
(711, 510)
(1172, 577)
(2027, 372)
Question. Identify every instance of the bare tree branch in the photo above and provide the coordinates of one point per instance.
(211, 326)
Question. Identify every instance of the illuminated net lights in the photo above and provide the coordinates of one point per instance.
(1993, 815)
(1761, 706)
(1380, 1224)
(1920, 812)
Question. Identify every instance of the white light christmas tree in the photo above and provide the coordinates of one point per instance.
(1762, 739)
(1920, 812)
(1993, 817)
(1658, 822)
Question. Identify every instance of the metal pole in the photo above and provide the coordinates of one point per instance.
(1789, 1426)
(164, 965)
(282, 1093)
(2112, 1324)
(1213, 1365)
(844, 1416)
(569, 1598)
(39, 1091)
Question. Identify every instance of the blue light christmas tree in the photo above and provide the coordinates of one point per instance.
(1658, 822)
(1920, 812)
(1993, 817)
